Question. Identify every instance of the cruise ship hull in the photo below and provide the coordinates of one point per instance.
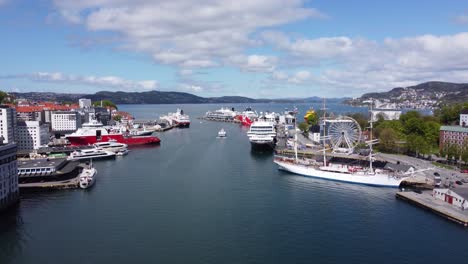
(379, 180)
(182, 124)
(131, 140)
(262, 145)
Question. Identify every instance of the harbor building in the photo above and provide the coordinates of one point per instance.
(30, 113)
(31, 135)
(453, 135)
(464, 118)
(7, 123)
(9, 192)
(65, 121)
(84, 103)
(457, 198)
(37, 172)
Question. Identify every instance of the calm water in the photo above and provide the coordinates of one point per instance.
(199, 199)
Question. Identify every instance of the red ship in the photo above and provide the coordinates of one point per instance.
(94, 132)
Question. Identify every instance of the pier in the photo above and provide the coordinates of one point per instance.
(220, 120)
(53, 185)
(428, 202)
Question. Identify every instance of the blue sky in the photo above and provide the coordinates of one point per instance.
(263, 48)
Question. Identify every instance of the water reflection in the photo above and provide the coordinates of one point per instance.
(11, 234)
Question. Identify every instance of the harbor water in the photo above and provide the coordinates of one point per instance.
(197, 198)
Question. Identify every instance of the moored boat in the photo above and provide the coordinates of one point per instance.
(88, 176)
(111, 146)
(92, 133)
(87, 154)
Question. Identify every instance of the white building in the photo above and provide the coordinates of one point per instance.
(387, 114)
(7, 123)
(84, 103)
(464, 118)
(65, 121)
(457, 198)
(9, 193)
(31, 135)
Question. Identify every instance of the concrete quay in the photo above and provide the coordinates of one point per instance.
(428, 202)
(52, 185)
(220, 120)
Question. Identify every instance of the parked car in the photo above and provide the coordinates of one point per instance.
(459, 182)
(464, 171)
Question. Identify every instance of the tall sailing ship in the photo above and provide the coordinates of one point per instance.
(340, 171)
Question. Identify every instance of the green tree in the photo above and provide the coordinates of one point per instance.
(304, 127)
(312, 118)
(361, 118)
(117, 118)
(3, 96)
(106, 103)
(409, 115)
(387, 140)
(450, 114)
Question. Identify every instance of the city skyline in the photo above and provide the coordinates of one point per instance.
(260, 49)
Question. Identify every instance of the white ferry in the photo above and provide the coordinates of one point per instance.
(86, 154)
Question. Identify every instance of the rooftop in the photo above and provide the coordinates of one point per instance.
(454, 129)
(33, 163)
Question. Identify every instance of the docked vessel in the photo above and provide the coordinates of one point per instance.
(86, 154)
(340, 171)
(247, 117)
(111, 145)
(122, 152)
(95, 132)
(222, 114)
(222, 133)
(177, 119)
(181, 119)
(262, 134)
(88, 176)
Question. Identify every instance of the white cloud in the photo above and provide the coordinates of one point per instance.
(366, 65)
(254, 63)
(115, 82)
(187, 33)
(299, 77)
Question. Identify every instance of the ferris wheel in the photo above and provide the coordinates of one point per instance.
(344, 134)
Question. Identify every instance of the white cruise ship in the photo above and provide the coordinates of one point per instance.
(221, 114)
(262, 134)
(179, 118)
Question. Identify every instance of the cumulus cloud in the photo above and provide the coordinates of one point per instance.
(299, 77)
(369, 65)
(182, 32)
(254, 63)
(115, 82)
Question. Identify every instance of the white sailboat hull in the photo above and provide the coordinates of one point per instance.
(378, 179)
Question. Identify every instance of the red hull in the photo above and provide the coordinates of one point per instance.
(182, 124)
(245, 121)
(132, 140)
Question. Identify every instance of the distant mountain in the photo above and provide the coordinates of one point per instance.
(424, 95)
(158, 97)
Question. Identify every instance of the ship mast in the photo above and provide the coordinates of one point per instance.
(372, 141)
(324, 133)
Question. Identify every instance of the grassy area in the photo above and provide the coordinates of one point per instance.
(440, 165)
